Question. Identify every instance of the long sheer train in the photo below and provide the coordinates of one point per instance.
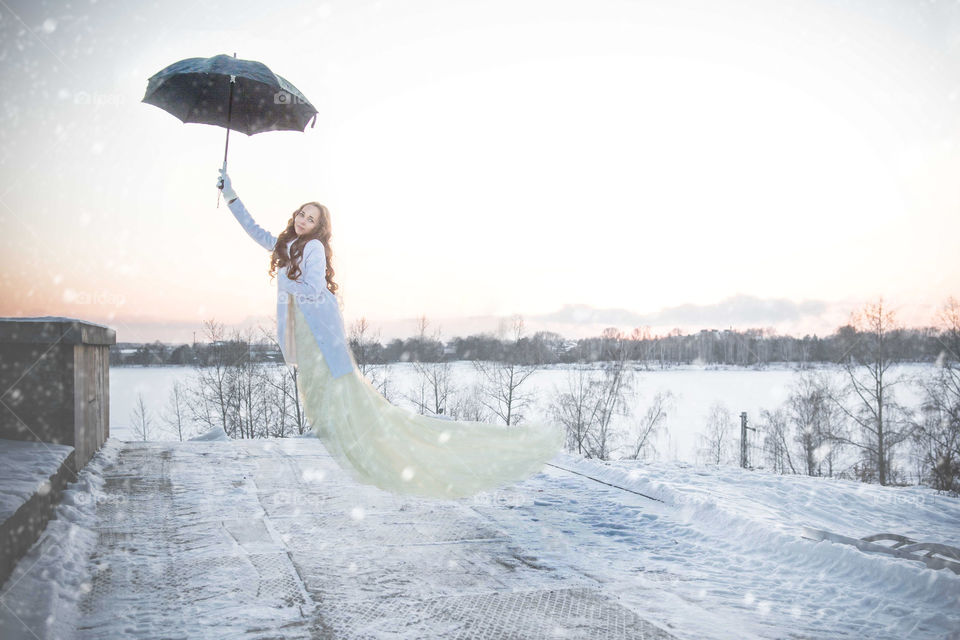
(398, 450)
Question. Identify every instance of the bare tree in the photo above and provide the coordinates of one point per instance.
(362, 343)
(382, 381)
(246, 399)
(140, 419)
(434, 379)
(279, 417)
(422, 324)
(175, 416)
(420, 396)
(816, 420)
(867, 360)
(501, 389)
(612, 394)
(466, 405)
(715, 445)
(249, 409)
(774, 426)
(287, 399)
(435, 388)
(937, 433)
(282, 394)
(589, 405)
(643, 447)
(644, 345)
(575, 408)
(211, 402)
(203, 412)
(501, 382)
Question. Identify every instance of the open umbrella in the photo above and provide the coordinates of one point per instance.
(243, 95)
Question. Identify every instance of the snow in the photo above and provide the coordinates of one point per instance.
(46, 319)
(215, 434)
(47, 582)
(720, 557)
(25, 469)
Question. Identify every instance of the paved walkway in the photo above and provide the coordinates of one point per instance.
(269, 539)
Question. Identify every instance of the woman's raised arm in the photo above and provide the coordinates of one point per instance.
(263, 237)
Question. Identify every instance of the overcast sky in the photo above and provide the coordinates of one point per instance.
(584, 164)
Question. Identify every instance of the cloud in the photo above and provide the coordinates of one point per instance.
(738, 310)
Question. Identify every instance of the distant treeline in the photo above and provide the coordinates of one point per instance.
(749, 347)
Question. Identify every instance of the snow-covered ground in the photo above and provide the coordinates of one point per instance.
(720, 557)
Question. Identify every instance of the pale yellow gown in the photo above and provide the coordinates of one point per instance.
(401, 451)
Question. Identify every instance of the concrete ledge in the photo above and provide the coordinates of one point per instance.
(55, 329)
(55, 373)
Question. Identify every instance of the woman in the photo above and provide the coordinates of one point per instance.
(371, 439)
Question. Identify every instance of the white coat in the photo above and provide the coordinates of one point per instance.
(318, 304)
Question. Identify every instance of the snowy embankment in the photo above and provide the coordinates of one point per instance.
(40, 597)
(722, 557)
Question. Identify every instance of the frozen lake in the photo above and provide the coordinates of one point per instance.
(695, 390)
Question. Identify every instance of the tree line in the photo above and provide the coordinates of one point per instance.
(749, 347)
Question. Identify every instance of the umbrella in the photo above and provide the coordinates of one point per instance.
(243, 95)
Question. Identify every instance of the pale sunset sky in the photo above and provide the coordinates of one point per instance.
(586, 164)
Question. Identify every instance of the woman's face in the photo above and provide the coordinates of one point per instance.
(306, 219)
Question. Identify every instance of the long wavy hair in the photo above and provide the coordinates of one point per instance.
(322, 232)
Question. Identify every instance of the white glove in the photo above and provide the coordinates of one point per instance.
(223, 183)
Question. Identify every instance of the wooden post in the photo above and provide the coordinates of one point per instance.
(743, 439)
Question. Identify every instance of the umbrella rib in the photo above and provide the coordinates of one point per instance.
(195, 102)
(238, 94)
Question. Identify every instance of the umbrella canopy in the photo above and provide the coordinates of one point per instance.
(242, 95)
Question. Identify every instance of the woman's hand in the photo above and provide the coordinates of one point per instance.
(223, 183)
